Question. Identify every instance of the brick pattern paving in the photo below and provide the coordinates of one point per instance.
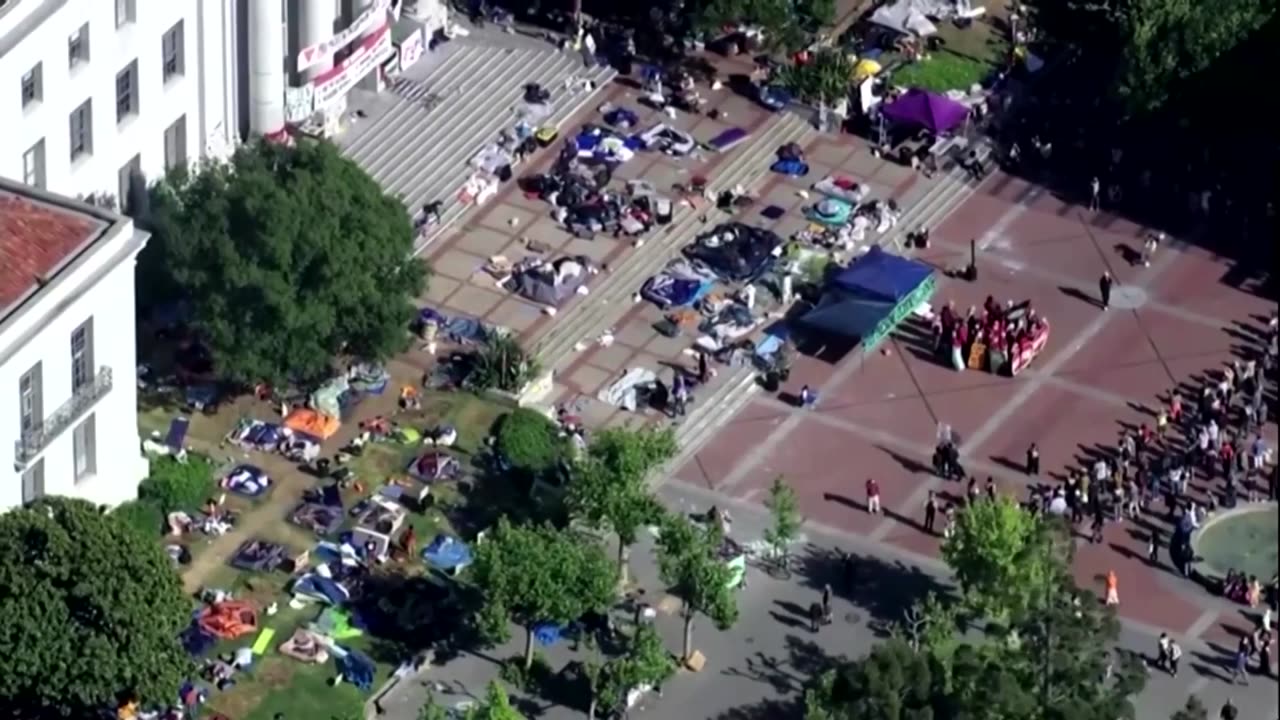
(1101, 373)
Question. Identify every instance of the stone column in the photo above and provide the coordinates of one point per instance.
(266, 73)
(318, 18)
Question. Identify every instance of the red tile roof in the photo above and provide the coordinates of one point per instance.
(35, 239)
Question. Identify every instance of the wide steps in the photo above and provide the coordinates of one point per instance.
(421, 152)
(605, 306)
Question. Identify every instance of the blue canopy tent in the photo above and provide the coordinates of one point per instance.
(871, 296)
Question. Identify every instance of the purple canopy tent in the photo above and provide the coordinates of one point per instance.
(935, 113)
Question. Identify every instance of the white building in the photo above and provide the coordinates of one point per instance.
(95, 93)
(67, 350)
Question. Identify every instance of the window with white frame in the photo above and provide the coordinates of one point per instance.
(127, 92)
(33, 165)
(172, 48)
(33, 86)
(84, 446)
(128, 179)
(81, 123)
(31, 399)
(33, 482)
(82, 356)
(126, 12)
(78, 46)
(175, 144)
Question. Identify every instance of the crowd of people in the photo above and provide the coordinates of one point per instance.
(1000, 329)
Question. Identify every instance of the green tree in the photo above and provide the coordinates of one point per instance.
(644, 661)
(609, 489)
(288, 257)
(788, 25)
(496, 706)
(1165, 43)
(529, 442)
(690, 564)
(824, 79)
(1002, 556)
(90, 611)
(891, 683)
(537, 574)
(784, 509)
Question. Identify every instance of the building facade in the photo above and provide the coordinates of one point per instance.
(68, 365)
(98, 97)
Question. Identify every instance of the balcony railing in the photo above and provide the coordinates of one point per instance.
(32, 441)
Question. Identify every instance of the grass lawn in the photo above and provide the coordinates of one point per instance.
(942, 71)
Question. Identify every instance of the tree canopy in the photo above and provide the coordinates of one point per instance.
(784, 510)
(286, 257)
(90, 613)
(690, 564)
(1047, 657)
(787, 24)
(609, 488)
(537, 574)
(643, 661)
(1002, 556)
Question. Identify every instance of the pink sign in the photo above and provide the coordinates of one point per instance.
(338, 82)
(369, 19)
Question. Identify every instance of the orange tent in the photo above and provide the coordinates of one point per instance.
(229, 619)
(315, 424)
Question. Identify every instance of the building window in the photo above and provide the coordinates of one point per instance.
(33, 482)
(129, 178)
(127, 92)
(175, 144)
(33, 165)
(84, 445)
(33, 86)
(82, 130)
(82, 356)
(171, 50)
(126, 12)
(31, 399)
(78, 46)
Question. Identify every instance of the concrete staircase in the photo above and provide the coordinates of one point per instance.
(605, 306)
(420, 148)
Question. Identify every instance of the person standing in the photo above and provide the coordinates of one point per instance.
(1162, 651)
(1240, 668)
(1175, 656)
(1095, 193)
(1263, 644)
(1113, 589)
(1153, 548)
(873, 496)
(807, 397)
(1105, 283)
(1033, 460)
(826, 603)
(931, 512)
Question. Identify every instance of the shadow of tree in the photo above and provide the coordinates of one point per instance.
(884, 588)
(771, 709)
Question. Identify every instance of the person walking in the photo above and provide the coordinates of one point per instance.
(826, 603)
(1175, 656)
(1263, 644)
(1162, 651)
(807, 397)
(1240, 667)
(1105, 283)
(1095, 194)
(873, 496)
(931, 512)
(1153, 548)
(1033, 460)
(1113, 589)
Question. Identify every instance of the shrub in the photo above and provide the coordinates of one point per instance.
(142, 515)
(501, 364)
(175, 485)
(825, 78)
(530, 442)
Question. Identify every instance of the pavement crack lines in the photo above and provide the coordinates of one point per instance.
(1137, 317)
(1093, 240)
(1104, 396)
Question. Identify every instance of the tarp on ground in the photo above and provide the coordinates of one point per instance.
(931, 111)
(309, 422)
(909, 17)
(862, 295)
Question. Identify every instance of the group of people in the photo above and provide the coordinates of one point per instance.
(999, 328)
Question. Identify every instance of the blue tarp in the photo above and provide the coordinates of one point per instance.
(447, 553)
(357, 669)
(322, 589)
(878, 275)
(865, 293)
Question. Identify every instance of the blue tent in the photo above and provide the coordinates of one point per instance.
(873, 293)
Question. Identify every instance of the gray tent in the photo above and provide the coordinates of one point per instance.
(550, 283)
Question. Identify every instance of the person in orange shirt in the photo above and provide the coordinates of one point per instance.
(1113, 590)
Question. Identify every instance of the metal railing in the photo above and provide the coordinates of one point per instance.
(32, 441)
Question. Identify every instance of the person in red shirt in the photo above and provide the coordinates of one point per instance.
(873, 496)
